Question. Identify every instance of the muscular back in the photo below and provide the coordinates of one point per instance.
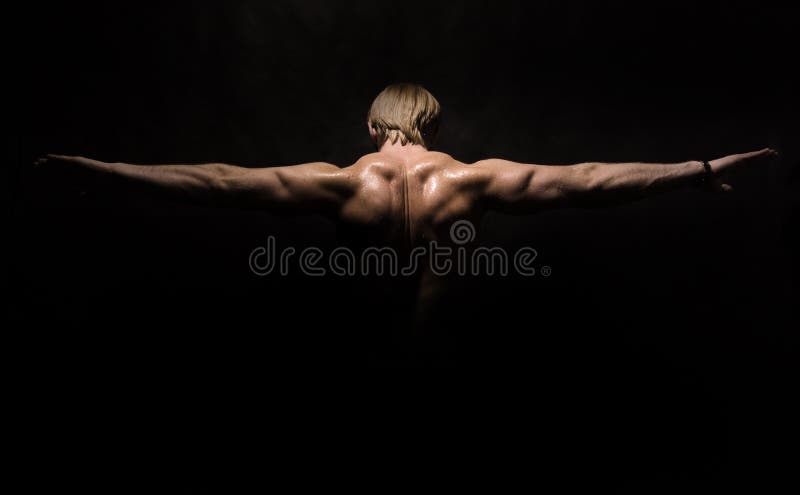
(403, 203)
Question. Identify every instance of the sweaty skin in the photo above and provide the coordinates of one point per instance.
(404, 196)
(408, 201)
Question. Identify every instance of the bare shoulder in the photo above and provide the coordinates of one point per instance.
(499, 174)
(428, 165)
(373, 163)
(477, 173)
(494, 164)
(493, 168)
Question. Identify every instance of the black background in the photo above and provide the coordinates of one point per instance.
(662, 347)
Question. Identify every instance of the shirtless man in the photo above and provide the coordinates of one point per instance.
(404, 194)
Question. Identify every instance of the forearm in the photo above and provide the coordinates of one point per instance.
(611, 182)
(196, 182)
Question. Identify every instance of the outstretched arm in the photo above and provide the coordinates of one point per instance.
(310, 187)
(518, 187)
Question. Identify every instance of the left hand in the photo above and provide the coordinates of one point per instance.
(722, 167)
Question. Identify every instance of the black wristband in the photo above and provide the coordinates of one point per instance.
(705, 179)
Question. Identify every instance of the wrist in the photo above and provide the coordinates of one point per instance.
(703, 173)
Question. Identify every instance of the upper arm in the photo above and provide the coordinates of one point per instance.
(316, 187)
(519, 187)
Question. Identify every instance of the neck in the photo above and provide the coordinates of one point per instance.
(402, 151)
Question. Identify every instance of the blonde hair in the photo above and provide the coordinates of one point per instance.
(405, 111)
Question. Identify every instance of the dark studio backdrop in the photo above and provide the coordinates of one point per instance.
(663, 344)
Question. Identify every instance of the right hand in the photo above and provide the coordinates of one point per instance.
(722, 167)
(74, 174)
(53, 159)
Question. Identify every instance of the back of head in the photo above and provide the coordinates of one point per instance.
(407, 112)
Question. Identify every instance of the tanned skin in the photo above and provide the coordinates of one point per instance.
(406, 195)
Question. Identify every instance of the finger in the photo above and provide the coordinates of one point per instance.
(753, 154)
(61, 157)
(717, 185)
(768, 152)
(762, 153)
